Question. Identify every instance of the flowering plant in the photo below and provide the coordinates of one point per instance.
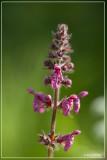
(59, 63)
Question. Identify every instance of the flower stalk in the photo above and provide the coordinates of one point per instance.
(50, 152)
(59, 63)
(53, 120)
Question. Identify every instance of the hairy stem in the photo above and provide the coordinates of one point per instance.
(53, 120)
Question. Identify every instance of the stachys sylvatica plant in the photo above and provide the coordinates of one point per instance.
(59, 63)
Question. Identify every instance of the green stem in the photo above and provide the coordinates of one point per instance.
(53, 120)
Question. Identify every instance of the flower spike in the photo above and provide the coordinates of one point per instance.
(59, 63)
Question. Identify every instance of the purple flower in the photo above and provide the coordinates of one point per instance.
(68, 139)
(66, 106)
(56, 78)
(77, 100)
(72, 102)
(40, 101)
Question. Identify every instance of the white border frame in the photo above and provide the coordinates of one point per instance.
(1, 75)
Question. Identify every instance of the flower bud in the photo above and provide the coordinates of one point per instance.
(67, 82)
(31, 91)
(68, 67)
(48, 64)
(66, 58)
(47, 80)
(83, 94)
(76, 132)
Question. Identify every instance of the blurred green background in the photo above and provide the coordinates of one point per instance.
(26, 40)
